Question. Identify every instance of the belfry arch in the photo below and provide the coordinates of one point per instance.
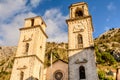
(78, 13)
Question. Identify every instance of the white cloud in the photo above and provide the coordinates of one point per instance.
(34, 3)
(56, 25)
(9, 7)
(12, 15)
(111, 6)
(10, 32)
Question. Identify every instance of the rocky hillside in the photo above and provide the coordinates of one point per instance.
(110, 42)
(107, 47)
(6, 61)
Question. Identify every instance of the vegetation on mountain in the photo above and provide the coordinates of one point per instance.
(6, 62)
(107, 49)
(55, 51)
(102, 76)
(104, 57)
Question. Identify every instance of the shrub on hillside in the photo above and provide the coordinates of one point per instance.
(104, 57)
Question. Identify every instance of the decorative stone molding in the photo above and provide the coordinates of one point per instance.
(75, 19)
(78, 31)
(24, 67)
(26, 40)
(83, 61)
(37, 26)
(29, 56)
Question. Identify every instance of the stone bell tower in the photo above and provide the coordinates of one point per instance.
(28, 64)
(80, 43)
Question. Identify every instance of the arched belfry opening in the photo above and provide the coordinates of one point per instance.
(78, 13)
(80, 41)
(82, 72)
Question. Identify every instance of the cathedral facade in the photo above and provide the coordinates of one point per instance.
(29, 60)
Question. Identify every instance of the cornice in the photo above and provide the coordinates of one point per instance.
(91, 47)
(80, 18)
(25, 28)
(29, 56)
(77, 4)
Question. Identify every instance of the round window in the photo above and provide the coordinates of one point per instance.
(58, 75)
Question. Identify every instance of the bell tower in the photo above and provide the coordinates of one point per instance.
(80, 43)
(80, 27)
(28, 64)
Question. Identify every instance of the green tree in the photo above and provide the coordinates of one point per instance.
(108, 58)
(101, 75)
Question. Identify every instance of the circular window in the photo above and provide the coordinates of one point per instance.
(58, 75)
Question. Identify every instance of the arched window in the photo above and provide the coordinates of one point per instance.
(27, 47)
(78, 13)
(80, 41)
(21, 75)
(82, 72)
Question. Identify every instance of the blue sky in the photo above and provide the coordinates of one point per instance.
(105, 15)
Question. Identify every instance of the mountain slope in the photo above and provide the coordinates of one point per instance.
(6, 61)
(110, 42)
(107, 49)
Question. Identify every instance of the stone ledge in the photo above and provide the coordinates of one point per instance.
(91, 47)
(29, 56)
(33, 28)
